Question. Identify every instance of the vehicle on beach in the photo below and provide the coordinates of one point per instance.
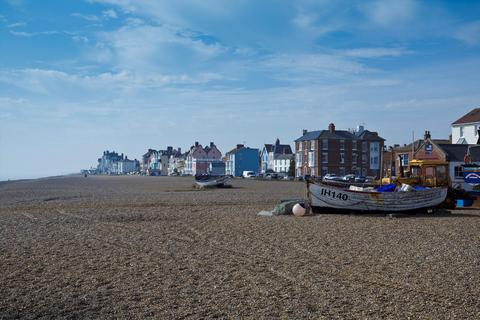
(383, 199)
(206, 180)
(248, 174)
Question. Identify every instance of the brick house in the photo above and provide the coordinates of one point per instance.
(401, 155)
(338, 151)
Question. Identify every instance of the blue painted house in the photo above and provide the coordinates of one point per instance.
(242, 159)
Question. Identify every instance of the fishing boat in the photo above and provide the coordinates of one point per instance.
(210, 181)
(330, 196)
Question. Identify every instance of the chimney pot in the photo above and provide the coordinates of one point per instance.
(305, 131)
(331, 128)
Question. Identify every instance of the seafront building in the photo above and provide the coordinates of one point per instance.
(339, 152)
(276, 157)
(241, 159)
(465, 130)
(114, 163)
(156, 162)
(199, 158)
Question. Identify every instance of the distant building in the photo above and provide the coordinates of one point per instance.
(156, 162)
(466, 129)
(339, 152)
(241, 159)
(114, 163)
(199, 158)
(176, 163)
(454, 154)
(271, 154)
(401, 155)
(281, 162)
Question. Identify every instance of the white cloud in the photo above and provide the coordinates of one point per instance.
(374, 52)
(17, 24)
(146, 47)
(88, 17)
(469, 33)
(311, 67)
(391, 13)
(80, 39)
(110, 14)
(54, 82)
(33, 34)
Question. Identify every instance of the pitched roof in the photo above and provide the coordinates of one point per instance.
(282, 149)
(340, 135)
(418, 143)
(472, 116)
(280, 156)
(454, 152)
(475, 153)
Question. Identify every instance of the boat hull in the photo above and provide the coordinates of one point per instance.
(326, 196)
(211, 181)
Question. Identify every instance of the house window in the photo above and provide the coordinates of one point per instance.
(311, 159)
(312, 145)
(325, 144)
(364, 147)
(299, 160)
(300, 146)
(461, 132)
(342, 171)
(364, 157)
(459, 172)
(404, 162)
(354, 158)
(354, 145)
(342, 157)
(342, 144)
(325, 157)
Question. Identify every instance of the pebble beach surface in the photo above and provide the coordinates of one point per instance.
(155, 247)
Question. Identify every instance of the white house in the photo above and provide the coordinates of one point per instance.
(271, 154)
(281, 162)
(465, 129)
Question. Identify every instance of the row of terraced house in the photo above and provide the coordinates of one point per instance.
(316, 153)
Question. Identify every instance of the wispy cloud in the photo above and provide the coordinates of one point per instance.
(17, 24)
(36, 33)
(391, 13)
(105, 15)
(88, 17)
(375, 52)
(469, 33)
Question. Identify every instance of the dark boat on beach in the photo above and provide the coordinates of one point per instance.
(206, 180)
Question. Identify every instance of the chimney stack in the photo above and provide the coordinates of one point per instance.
(240, 146)
(331, 128)
(427, 135)
(179, 150)
(196, 143)
(305, 131)
(212, 145)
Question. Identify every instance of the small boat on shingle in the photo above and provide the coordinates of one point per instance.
(206, 180)
(383, 199)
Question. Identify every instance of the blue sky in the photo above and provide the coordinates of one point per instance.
(79, 77)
